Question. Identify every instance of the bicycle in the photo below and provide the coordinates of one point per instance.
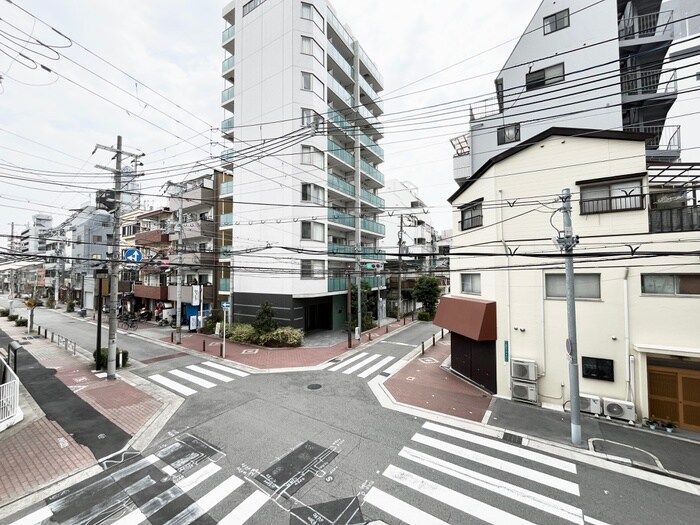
(129, 323)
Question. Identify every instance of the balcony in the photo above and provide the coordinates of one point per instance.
(225, 252)
(369, 118)
(341, 154)
(373, 227)
(375, 282)
(371, 93)
(159, 293)
(224, 286)
(372, 146)
(147, 238)
(337, 284)
(337, 119)
(227, 98)
(371, 198)
(612, 204)
(198, 259)
(226, 219)
(225, 188)
(228, 155)
(641, 84)
(228, 34)
(194, 229)
(371, 67)
(197, 197)
(338, 184)
(207, 293)
(340, 92)
(340, 250)
(373, 254)
(227, 66)
(664, 145)
(339, 217)
(339, 29)
(340, 60)
(652, 26)
(674, 219)
(371, 171)
(227, 126)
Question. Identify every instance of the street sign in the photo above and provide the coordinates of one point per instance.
(133, 255)
(225, 304)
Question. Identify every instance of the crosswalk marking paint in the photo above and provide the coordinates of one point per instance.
(35, 517)
(361, 364)
(503, 488)
(172, 385)
(206, 502)
(345, 363)
(454, 499)
(133, 518)
(192, 379)
(376, 367)
(500, 464)
(245, 510)
(138, 465)
(503, 447)
(400, 509)
(210, 373)
(326, 365)
(226, 369)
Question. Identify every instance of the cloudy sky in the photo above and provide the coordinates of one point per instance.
(165, 99)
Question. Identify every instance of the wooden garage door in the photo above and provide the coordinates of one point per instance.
(674, 395)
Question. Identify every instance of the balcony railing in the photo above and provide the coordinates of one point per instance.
(340, 153)
(646, 26)
(340, 185)
(228, 155)
(666, 138)
(483, 108)
(340, 60)
(649, 82)
(228, 34)
(228, 64)
(372, 226)
(373, 172)
(371, 145)
(375, 282)
(681, 219)
(338, 28)
(373, 254)
(225, 252)
(612, 204)
(371, 93)
(225, 285)
(227, 125)
(375, 201)
(371, 66)
(338, 119)
(342, 218)
(339, 90)
(227, 94)
(337, 284)
(226, 219)
(225, 188)
(340, 250)
(368, 116)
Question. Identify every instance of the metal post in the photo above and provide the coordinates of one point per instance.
(114, 267)
(358, 203)
(201, 308)
(223, 347)
(568, 242)
(399, 309)
(349, 307)
(178, 313)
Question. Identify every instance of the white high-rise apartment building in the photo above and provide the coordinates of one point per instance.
(302, 107)
(585, 65)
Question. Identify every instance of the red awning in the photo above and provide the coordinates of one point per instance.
(472, 318)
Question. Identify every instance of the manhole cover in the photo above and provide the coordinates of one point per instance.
(314, 386)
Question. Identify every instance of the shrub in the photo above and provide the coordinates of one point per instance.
(425, 316)
(12, 317)
(4, 312)
(242, 333)
(264, 321)
(103, 354)
(70, 306)
(209, 325)
(21, 322)
(50, 303)
(282, 337)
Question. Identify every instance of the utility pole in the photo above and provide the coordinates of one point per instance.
(567, 243)
(12, 270)
(400, 305)
(358, 191)
(116, 255)
(178, 295)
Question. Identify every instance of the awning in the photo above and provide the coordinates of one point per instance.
(472, 318)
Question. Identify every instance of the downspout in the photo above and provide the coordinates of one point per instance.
(628, 358)
(542, 327)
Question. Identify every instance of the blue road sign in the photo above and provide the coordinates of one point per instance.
(225, 304)
(133, 255)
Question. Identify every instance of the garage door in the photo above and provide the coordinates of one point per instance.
(674, 395)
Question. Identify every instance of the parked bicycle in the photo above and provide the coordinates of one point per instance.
(128, 323)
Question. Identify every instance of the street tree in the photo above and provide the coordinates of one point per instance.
(427, 291)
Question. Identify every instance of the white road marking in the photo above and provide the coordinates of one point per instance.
(206, 502)
(210, 373)
(503, 447)
(195, 479)
(400, 509)
(362, 364)
(169, 470)
(345, 363)
(35, 517)
(397, 343)
(245, 510)
(593, 521)
(522, 495)
(453, 498)
(226, 369)
(172, 385)
(376, 367)
(192, 379)
(326, 365)
(130, 469)
(499, 464)
(133, 518)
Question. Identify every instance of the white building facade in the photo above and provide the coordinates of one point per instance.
(301, 110)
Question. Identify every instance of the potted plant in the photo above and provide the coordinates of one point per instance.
(651, 423)
(670, 426)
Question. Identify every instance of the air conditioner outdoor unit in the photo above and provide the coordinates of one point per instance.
(523, 369)
(590, 403)
(523, 391)
(619, 409)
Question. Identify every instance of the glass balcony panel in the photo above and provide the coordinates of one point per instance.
(372, 93)
(373, 254)
(337, 284)
(228, 34)
(373, 172)
(227, 155)
(372, 226)
(227, 125)
(225, 188)
(371, 66)
(227, 64)
(338, 28)
(371, 145)
(340, 250)
(339, 90)
(372, 198)
(340, 60)
(339, 184)
(226, 219)
(224, 285)
(227, 94)
(335, 150)
(339, 217)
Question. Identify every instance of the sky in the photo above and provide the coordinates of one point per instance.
(165, 99)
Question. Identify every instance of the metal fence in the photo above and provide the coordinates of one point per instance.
(9, 394)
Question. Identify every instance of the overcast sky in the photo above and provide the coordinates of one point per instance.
(174, 47)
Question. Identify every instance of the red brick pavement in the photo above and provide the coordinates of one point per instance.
(428, 386)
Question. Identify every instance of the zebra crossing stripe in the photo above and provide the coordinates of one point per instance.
(454, 499)
(500, 464)
(35, 517)
(361, 364)
(245, 510)
(503, 447)
(226, 369)
(138, 465)
(503, 488)
(376, 367)
(206, 502)
(326, 365)
(210, 373)
(172, 385)
(345, 363)
(400, 509)
(192, 379)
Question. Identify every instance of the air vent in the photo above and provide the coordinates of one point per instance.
(523, 370)
(523, 391)
(619, 409)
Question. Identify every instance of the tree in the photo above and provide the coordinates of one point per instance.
(427, 291)
(264, 321)
(369, 305)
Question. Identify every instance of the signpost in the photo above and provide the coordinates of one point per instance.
(225, 305)
(133, 255)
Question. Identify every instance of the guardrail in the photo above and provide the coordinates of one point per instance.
(67, 344)
(10, 412)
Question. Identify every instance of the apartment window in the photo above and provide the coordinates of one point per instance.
(586, 286)
(309, 12)
(671, 284)
(313, 231)
(310, 82)
(499, 94)
(97, 238)
(471, 283)
(312, 156)
(313, 193)
(310, 47)
(471, 216)
(310, 118)
(618, 196)
(544, 77)
(507, 134)
(556, 21)
(247, 8)
(311, 269)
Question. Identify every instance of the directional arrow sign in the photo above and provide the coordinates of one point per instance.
(225, 304)
(133, 255)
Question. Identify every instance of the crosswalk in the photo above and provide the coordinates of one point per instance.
(162, 488)
(364, 365)
(445, 475)
(185, 381)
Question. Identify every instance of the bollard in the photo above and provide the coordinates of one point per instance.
(422, 348)
(433, 339)
(46, 333)
(203, 347)
(442, 333)
(38, 329)
(171, 337)
(221, 349)
(387, 329)
(369, 335)
(52, 337)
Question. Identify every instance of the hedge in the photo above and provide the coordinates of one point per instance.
(125, 357)
(278, 338)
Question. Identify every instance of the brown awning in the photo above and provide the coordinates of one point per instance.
(472, 318)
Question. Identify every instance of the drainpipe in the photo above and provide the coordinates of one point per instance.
(629, 360)
(542, 328)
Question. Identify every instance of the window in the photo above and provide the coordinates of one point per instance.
(97, 238)
(313, 231)
(310, 47)
(313, 156)
(471, 283)
(247, 8)
(309, 82)
(586, 286)
(671, 284)
(310, 118)
(313, 193)
(618, 196)
(311, 269)
(309, 12)
(509, 133)
(544, 77)
(471, 216)
(499, 94)
(556, 21)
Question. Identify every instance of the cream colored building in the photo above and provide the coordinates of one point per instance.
(638, 330)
